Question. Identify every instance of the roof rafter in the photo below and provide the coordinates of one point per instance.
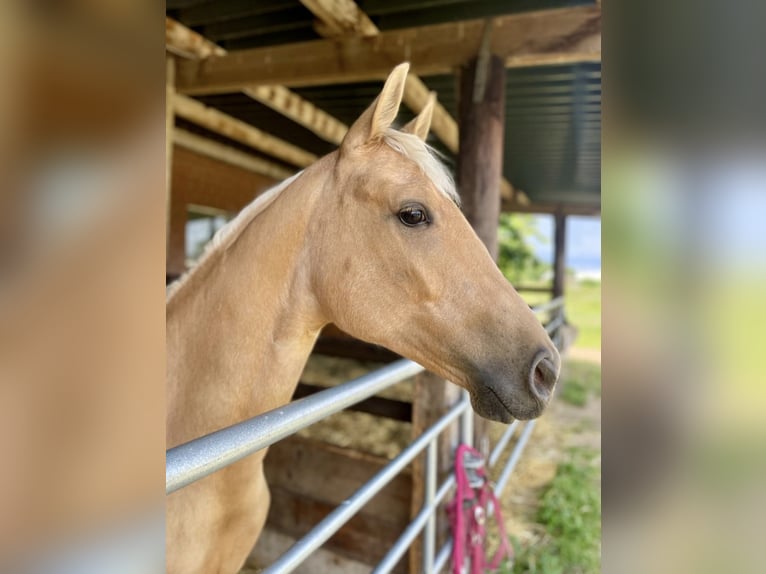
(345, 18)
(237, 130)
(435, 49)
(187, 43)
(228, 154)
(339, 18)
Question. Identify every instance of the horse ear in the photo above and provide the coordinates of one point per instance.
(420, 124)
(380, 115)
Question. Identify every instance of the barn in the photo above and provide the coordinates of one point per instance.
(257, 91)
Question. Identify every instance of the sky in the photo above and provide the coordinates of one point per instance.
(583, 242)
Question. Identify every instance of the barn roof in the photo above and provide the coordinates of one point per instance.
(553, 111)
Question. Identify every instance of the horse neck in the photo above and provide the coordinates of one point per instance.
(240, 329)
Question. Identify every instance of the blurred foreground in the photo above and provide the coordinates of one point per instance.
(82, 186)
(685, 275)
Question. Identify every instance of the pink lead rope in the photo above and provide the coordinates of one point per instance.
(469, 512)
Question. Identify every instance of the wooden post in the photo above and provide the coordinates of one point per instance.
(481, 107)
(169, 125)
(559, 255)
(481, 110)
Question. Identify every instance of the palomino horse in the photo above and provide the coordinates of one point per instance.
(370, 238)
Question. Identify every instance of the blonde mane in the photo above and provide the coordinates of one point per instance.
(427, 159)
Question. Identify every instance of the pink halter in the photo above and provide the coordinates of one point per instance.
(469, 512)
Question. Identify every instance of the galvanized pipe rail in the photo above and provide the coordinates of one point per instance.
(549, 306)
(338, 517)
(200, 457)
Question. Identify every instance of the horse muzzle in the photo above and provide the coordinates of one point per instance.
(502, 396)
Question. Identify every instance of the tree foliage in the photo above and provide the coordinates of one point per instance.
(516, 257)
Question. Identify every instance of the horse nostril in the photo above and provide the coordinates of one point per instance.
(543, 377)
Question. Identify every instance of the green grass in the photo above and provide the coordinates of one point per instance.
(570, 511)
(583, 309)
(580, 381)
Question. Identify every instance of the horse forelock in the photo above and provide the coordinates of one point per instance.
(427, 159)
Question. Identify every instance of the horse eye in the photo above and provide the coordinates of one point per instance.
(412, 215)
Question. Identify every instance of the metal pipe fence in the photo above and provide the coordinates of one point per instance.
(203, 456)
(200, 457)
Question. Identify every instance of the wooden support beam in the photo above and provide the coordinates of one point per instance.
(170, 90)
(350, 348)
(301, 111)
(442, 123)
(435, 49)
(481, 108)
(237, 130)
(378, 406)
(480, 161)
(432, 398)
(229, 155)
(556, 59)
(334, 14)
(299, 501)
(559, 254)
(551, 208)
(186, 42)
(340, 18)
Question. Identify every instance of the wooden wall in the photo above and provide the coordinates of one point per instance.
(197, 179)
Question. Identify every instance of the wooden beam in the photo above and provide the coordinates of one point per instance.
(551, 208)
(299, 501)
(511, 193)
(170, 91)
(202, 180)
(480, 163)
(350, 348)
(377, 406)
(442, 124)
(432, 398)
(230, 155)
(559, 254)
(237, 130)
(435, 49)
(556, 59)
(339, 18)
(481, 108)
(186, 42)
(415, 90)
(301, 111)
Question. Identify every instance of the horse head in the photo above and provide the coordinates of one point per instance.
(397, 264)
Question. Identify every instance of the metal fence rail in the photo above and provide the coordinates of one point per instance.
(200, 457)
(203, 456)
(338, 517)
